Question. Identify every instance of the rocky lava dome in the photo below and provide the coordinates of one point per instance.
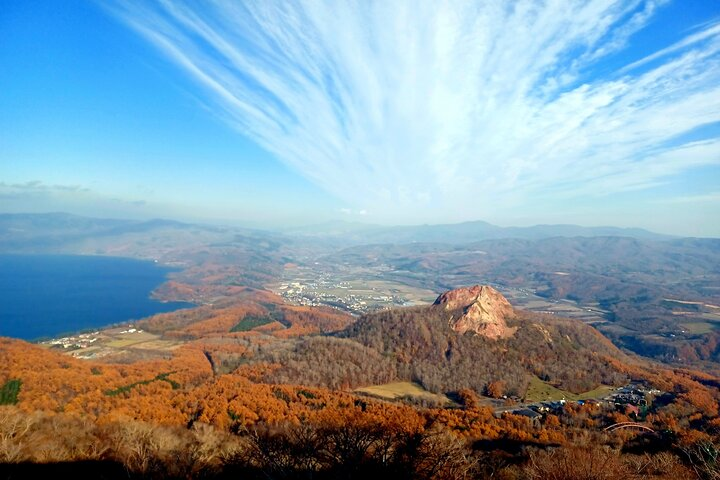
(483, 310)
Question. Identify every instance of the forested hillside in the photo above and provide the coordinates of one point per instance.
(276, 397)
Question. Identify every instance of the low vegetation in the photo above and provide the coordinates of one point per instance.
(249, 322)
(360, 446)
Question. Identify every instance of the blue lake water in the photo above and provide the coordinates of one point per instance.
(48, 295)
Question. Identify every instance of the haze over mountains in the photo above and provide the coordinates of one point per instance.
(461, 232)
(66, 233)
(28, 231)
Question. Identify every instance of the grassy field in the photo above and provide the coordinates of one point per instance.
(373, 288)
(395, 390)
(411, 294)
(129, 339)
(9, 392)
(699, 328)
(540, 391)
(159, 345)
(251, 321)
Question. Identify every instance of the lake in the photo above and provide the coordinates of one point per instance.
(49, 295)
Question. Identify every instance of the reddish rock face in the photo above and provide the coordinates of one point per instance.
(484, 311)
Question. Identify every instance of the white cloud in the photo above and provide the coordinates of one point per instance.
(403, 105)
(350, 211)
(713, 197)
(36, 196)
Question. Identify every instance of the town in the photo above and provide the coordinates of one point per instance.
(352, 289)
(633, 400)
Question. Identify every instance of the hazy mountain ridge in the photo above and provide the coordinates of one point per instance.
(465, 232)
(48, 229)
(34, 232)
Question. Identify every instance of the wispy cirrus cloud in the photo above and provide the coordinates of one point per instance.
(38, 188)
(394, 105)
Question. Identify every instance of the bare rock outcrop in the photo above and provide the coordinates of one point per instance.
(484, 311)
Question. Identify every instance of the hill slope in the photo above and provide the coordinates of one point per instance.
(493, 344)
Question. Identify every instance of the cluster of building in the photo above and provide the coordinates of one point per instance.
(631, 399)
(319, 293)
(83, 340)
(632, 394)
(131, 329)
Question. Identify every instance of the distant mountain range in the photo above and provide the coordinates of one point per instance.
(48, 229)
(461, 232)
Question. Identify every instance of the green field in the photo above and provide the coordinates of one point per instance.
(699, 328)
(251, 321)
(9, 392)
(540, 391)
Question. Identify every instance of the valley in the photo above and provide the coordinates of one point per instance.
(359, 289)
(655, 296)
(489, 350)
(352, 288)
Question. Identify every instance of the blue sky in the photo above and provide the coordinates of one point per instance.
(271, 113)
